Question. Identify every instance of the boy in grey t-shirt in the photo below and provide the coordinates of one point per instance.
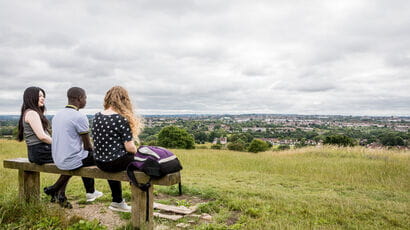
(72, 148)
(69, 126)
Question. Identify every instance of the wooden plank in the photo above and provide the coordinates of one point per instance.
(29, 185)
(91, 171)
(139, 208)
(166, 216)
(22, 195)
(175, 209)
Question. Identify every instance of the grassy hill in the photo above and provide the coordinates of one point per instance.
(320, 188)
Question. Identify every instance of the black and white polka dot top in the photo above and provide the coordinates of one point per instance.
(109, 134)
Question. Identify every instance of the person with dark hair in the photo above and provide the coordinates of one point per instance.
(72, 148)
(33, 127)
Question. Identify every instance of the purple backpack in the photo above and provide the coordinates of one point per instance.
(154, 161)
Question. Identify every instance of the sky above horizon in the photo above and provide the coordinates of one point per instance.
(216, 57)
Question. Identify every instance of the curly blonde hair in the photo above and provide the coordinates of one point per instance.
(117, 98)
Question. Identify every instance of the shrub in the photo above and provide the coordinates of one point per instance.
(174, 137)
(258, 146)
(340, 140)
(245, 137)
(238, 145)
(283, 147)
(391, 139)
(152, 142)
(200, 137)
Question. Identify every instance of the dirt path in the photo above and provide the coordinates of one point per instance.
(98, 211)
(111, 219)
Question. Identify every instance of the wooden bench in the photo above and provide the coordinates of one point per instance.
(29, 185)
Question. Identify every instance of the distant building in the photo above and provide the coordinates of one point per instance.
(222, 140)
(254, 129)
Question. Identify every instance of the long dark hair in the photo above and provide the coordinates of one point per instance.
(30, 101)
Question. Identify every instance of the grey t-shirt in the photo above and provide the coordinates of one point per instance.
(67, 148)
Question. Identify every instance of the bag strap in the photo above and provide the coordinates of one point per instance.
(133, 179)
(143, 187)
(147, 208)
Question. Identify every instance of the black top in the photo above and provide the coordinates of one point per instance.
(109, 134)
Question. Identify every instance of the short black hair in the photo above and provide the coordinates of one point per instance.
(75, 92)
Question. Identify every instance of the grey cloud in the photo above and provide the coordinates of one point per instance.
(256, 70)
(316, 87)
(400, 59)
(106, 52)
(57, 40)
(12, 38)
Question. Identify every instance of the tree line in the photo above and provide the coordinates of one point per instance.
(185, 134)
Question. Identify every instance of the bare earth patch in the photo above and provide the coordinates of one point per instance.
(112, 220)
(98, 211)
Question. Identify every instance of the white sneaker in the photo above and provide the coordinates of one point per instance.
(120, 207)
(92, 196)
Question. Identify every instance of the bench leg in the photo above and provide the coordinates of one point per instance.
(29, 185)
(139, 208)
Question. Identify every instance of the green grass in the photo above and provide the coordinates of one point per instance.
(319, 188)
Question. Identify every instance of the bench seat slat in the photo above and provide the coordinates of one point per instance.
(90, 171)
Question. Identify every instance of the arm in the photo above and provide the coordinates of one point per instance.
(82, 127)
(86, 141)
(130, 147)
(34, 120)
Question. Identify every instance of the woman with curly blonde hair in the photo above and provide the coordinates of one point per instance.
(114, 131)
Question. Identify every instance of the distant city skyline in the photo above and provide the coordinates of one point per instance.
(211, 57)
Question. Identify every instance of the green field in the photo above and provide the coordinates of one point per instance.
(309, 188)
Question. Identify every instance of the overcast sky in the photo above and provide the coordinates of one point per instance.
(176, 57)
